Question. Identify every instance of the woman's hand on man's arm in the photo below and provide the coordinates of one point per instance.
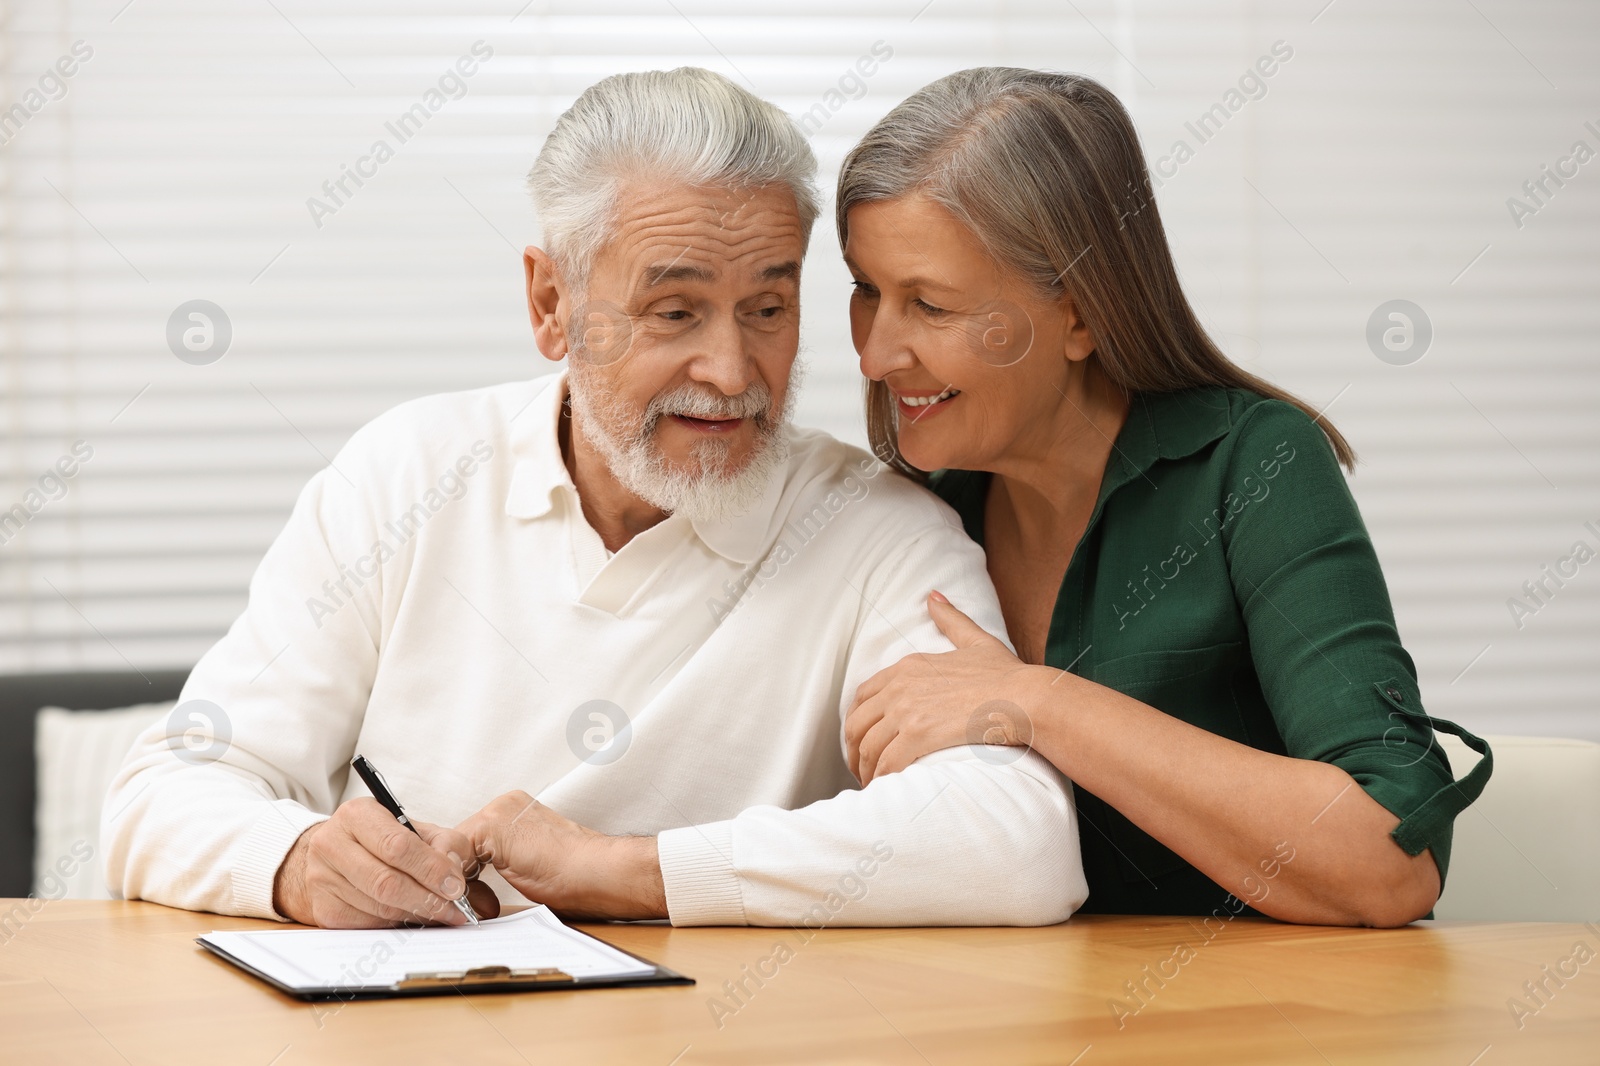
(1223, 806)
(925, 703)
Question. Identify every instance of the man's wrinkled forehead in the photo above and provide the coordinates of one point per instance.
(664, 236)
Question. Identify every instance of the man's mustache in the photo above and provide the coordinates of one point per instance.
(695, 401)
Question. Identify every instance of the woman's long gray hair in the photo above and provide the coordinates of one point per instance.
(1047, 171)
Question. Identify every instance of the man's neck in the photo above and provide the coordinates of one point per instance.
(609, 508)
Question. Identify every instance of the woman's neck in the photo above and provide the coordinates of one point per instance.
(1053, 476)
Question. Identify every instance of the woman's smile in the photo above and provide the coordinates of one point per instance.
(916, 405)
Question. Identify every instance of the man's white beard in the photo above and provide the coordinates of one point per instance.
(707, 490)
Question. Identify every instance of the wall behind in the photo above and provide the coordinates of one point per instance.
(156, 153)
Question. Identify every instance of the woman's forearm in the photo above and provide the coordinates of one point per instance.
(1229, 809)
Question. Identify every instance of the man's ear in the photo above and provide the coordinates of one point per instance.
(547, 303)
(1080, 339)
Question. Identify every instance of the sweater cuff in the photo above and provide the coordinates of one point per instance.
(262, 850)
(697, 871)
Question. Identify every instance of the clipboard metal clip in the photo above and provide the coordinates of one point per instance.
(482, 975)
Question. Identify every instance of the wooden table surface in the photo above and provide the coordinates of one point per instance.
(90, 982)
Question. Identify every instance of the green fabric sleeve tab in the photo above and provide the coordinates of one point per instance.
(1416, 831)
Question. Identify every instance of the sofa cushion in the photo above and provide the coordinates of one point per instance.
(77, 754)
(1529, 848)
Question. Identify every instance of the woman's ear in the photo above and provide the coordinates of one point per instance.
(1079, 339)
(547, 302)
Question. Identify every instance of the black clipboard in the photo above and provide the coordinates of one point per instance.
(466, 982)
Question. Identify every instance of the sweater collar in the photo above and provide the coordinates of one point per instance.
(541, 475)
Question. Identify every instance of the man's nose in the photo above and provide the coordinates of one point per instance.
(724, 360)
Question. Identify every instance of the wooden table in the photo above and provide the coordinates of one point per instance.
(124, 983)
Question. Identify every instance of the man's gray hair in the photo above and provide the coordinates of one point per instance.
(688, 125)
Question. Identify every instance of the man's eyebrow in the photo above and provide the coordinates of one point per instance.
(777, 271)
(661, 273)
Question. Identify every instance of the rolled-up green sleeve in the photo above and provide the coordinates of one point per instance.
(1340, 686)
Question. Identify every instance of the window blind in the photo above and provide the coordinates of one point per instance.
(223, 162)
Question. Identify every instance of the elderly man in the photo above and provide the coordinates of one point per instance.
(631, 591)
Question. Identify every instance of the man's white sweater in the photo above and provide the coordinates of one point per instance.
(438, 603)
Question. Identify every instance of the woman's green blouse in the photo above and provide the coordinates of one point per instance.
(1226, 578)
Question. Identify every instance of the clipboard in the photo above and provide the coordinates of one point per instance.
(269, 957)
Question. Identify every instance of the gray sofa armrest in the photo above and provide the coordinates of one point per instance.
(21, 696)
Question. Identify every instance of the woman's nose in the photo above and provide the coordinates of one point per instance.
(885, 349)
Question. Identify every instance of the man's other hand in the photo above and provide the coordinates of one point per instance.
(575, 871)
(361, 869)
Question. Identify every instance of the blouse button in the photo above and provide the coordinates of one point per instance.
(1395, 694)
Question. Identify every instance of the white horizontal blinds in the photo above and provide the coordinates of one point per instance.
(1371, 164)
(178, 166)
(1392, 146)
(1374, 164)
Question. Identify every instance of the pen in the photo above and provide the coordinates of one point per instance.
(381, 793)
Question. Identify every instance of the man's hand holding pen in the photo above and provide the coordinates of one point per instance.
(361, 869)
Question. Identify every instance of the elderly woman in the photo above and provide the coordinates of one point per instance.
(1204, 640)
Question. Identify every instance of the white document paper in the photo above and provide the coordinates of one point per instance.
(305, 959)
